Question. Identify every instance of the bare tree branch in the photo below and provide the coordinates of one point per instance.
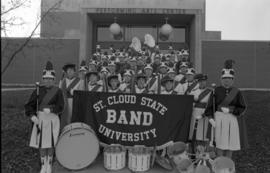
(15, 4)
(12, 57)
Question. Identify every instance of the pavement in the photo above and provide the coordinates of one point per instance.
(98, 167)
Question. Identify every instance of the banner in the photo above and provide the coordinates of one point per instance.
(134, 119)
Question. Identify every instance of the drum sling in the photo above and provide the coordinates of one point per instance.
(229, 98)
(190, 87)
(95, 88)
(70, 87)
(202, 96)
(47, 98)
(151, 82)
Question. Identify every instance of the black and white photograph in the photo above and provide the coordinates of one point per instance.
(135, 86)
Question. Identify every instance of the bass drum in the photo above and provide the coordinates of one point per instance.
(77, 146)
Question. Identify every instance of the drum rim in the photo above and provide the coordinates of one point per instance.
(80, 127)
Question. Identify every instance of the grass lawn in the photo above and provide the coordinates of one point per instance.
(18, 157)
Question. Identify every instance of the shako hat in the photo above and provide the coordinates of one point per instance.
(227, 71)
(48, 72)
(83, 66)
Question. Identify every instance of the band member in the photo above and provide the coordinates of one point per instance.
(93, 65)
(181, 69)
(189, 85)
(141, 86)
(121, 65)
(185, 55)
(167, 83)
(92, 82)
(171, 59)
(156, 63)
(226, 107)
(199, 123)
(114, 84)
(140, 63)
(104, 72)
(112, 70)
(171, 73)
(125, 86)
(44, 107)
(82, 71)
(152, 83)
(68, 86)
(133, 64)
(179, 56)
(163, 69)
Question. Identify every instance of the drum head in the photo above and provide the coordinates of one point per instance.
(77, 148)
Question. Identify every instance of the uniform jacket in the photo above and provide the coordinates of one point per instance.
(56, 103)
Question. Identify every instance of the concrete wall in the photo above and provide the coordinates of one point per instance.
(28, 65)
(61, 25)
(252, 61)
(64, 20)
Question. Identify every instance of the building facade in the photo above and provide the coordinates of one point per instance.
(71, 31)
(89, 21)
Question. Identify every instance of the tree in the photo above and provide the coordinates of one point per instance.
(15, 4)
(7, 19)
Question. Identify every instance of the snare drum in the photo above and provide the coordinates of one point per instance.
(114, 157)
(139, 159)
(77, 146)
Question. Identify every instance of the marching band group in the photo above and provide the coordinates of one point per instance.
(147, 72)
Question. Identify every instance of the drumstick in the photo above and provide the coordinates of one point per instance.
(154, 156)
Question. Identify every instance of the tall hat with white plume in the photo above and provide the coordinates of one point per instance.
(191, 70)
(128, 73)
(148, 66)
(227, 71)
(49, 72)
(83, 66)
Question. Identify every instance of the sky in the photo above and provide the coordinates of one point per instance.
(236, 19)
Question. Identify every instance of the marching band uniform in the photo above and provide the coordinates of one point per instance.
(229, 107)
(125, 86)
(181, 76)
(68, 85)
(165, 91)
(201, 98)
(93, 65)
(152, 82)
(112, 70)
(93, 86)
(162, 75)
(188, 86)
(49, 101)
(111, 89)
(144, 89)
(82, 71)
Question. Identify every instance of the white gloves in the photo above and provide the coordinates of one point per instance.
(46, 110)
(198, 117)
(34, 119)
(212, 122)
(225, 110)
